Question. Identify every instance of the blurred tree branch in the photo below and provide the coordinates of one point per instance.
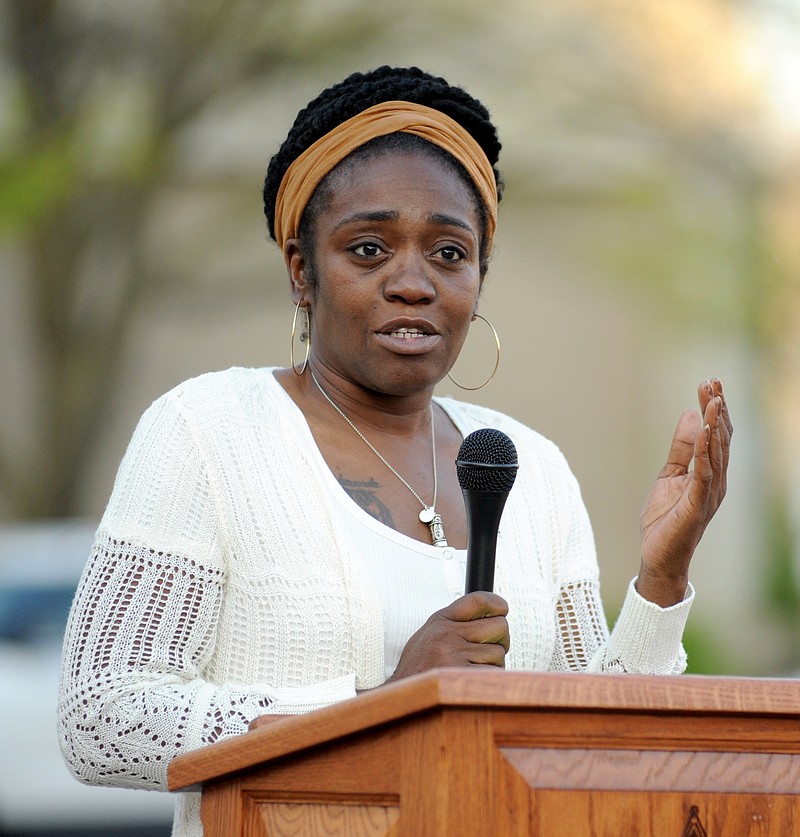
(78, 190)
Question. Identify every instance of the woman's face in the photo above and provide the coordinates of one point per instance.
(396, 272)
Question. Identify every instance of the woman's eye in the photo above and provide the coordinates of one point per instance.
(451, 254)
(367, 250)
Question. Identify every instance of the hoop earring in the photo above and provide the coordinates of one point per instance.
(308, 342)
(496, 363)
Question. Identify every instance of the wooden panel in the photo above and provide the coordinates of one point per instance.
(471, 759)
(590, 804)
(424, 783)
(610, 814)
(657, 771)
(221, 810)
(645, 730)
(344, 785)
(299, 819)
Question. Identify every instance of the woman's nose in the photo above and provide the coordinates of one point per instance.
(409, 279)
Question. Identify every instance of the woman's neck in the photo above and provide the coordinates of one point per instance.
(385, 413)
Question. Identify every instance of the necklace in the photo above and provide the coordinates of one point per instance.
(428, 514)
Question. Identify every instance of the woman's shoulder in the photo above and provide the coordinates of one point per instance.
(238, 383)
(220, 397)
(469, 417)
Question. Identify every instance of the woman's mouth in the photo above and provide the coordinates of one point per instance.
(408, 333)
(409, 339)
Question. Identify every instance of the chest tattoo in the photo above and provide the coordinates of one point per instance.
(365, 494)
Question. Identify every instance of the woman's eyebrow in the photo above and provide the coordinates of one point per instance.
(375, 215)
(451, 221)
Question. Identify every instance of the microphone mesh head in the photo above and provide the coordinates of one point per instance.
(487, 461)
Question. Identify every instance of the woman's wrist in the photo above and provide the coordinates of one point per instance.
(665, 591)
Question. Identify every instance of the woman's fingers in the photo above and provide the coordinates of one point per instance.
(479, 618)
(725, 430)
(683, 445)
(491, 630)
(472, 630)
(720, 429)
(477, 605)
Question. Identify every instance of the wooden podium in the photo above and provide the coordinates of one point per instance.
(474, 752)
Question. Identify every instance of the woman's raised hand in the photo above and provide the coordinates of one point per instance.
(682, 501)
(471, 631)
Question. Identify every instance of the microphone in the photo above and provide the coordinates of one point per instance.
(486, 467)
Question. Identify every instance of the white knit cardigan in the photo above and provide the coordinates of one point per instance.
(223, 586)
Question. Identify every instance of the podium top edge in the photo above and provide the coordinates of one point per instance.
(488, 689)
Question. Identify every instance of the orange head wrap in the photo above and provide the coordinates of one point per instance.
(307, 171)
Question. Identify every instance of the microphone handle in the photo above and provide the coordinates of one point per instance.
(484, 509)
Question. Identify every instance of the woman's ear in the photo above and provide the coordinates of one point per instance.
(296, 268)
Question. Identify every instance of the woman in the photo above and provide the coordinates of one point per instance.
(267, 546)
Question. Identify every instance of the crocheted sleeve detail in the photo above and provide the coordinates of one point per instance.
(131, 696)
(581, 626)
(646, 638)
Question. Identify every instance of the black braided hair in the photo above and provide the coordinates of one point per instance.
(360, 91)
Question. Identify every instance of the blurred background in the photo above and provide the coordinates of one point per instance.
(649, 238)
